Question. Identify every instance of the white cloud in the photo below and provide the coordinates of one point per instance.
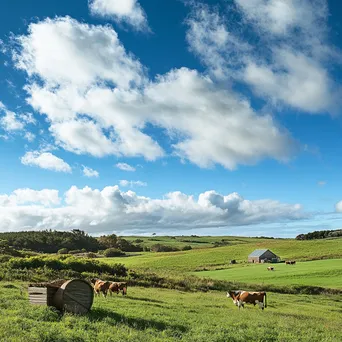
(83, 136)
(322, 183)
(99, 211)
(29, 136)
(128, 11)
(45, 160)
(209, 38)
(125, 167)
(10, 121)
(45, 197)
(28, 118)
(14, 124)
(92, 54)
(131, 184)
(338, 207)
(289, 63)
(89, 172)
(282, 17)
(204, 123)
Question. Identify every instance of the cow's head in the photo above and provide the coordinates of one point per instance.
(94, 280)
(234, 296)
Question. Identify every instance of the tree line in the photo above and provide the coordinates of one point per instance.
(320, 234)
(49, 241)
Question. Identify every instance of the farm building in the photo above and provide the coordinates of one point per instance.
(263, 255)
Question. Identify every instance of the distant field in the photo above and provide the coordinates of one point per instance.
(193, 241)
(324, 273)
(149, 314)
(220, 257)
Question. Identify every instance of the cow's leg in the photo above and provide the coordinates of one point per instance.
(261, 304)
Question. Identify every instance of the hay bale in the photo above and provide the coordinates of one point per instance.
(75, 296)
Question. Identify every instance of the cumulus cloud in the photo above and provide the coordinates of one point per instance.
(45, 160)
(338, 207)
(131, 184)
(89, 172)
(128, 11)
(204, 123)
(45, 197)
(125, 167)
(99, 211)
(92, 54)
(291, 61)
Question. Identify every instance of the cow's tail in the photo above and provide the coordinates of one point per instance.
(265, 301)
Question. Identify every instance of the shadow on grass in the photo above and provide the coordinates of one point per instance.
(145, 299)
(98, 314)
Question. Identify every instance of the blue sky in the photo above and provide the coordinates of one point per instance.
(226, 113)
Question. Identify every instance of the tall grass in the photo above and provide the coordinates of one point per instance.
(165, 315)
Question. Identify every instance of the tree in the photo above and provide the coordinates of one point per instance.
(113, 252)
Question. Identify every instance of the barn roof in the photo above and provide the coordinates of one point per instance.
(258, 253)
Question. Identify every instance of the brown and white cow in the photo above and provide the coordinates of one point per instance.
(117, 287)
(100, 286)
(240, 298)
(290, 262)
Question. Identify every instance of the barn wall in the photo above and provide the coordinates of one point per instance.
(255, 259)
(268, 255)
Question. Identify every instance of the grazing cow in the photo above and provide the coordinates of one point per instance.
(123, 288)
(270, 268)
(117, 287)
(240, 298)
(293, 262)
(100, 286)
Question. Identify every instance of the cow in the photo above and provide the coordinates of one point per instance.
(270, 268)
(100, 286)
(290, 262)
(240, 298)
(117, 287)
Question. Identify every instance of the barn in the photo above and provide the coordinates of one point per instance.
(262, 255)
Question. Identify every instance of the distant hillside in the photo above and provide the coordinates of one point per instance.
(320, 234)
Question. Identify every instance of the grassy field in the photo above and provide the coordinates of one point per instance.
(324, 273)
(213, 258)
(193, 241)
(169, 315)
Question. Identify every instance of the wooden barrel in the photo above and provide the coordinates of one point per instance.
(75, 296)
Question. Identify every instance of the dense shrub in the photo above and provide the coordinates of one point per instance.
(49, 241)
(163, 248)
(63, 251)
(113, 252)
(4, 258)
(320, 234)
(186, 248)
(75, 251)
(113, 241)
(91, 255)
(68, 263)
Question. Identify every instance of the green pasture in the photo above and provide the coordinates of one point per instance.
(214, 258)
(324, 273)
(193, 241)
(149, 314)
